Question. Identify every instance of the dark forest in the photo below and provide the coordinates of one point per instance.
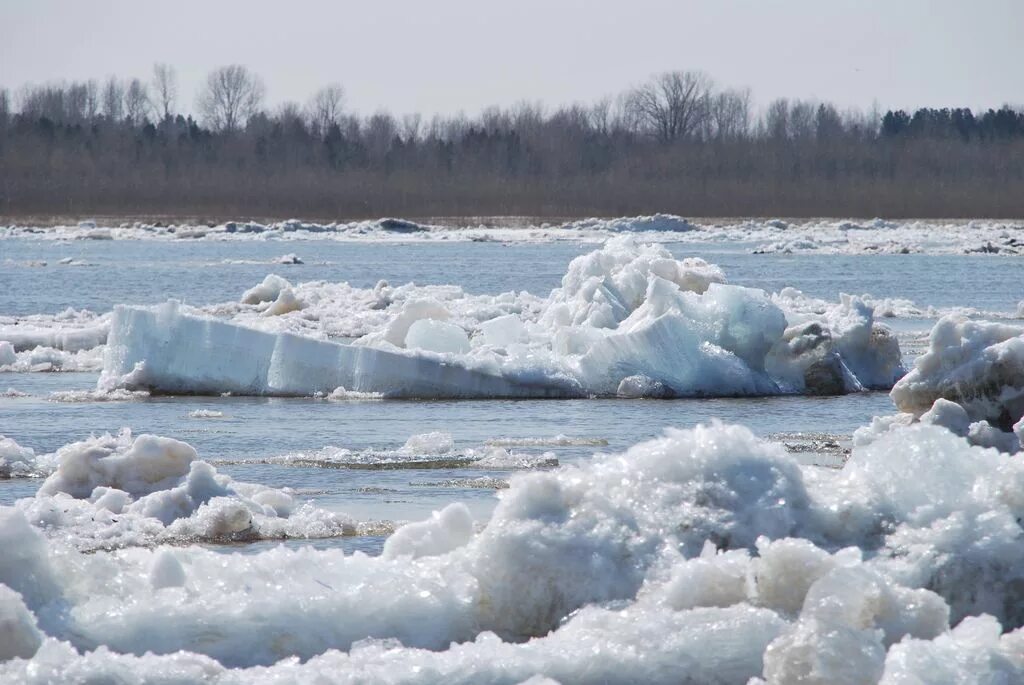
(676, 143)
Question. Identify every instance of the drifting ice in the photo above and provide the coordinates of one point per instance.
(113, 491)
(978, 365)
(628, 320)
(970, 381)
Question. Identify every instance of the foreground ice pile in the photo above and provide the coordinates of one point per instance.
(628, 320)
(704, 556)
(112, 491)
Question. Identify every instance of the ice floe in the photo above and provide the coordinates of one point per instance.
(16, 460)
(206, 414)
(628, 320)
(122, 490)
(978, 365)
(434, 450)
(970, 381)
(69, 331)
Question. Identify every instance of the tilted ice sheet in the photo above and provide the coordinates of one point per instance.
(706, 555)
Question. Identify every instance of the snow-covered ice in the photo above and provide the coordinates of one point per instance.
(706, 555)
(121, 490)
(970, 381)
(978, 365)
(16, 460)
(71, 340)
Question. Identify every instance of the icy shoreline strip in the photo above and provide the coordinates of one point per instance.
(819, 235)
(170, 352)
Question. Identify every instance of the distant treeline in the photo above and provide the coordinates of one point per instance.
(675, 143)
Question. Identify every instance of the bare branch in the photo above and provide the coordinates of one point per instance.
(230, 97)
(325, 108)
(165, 88)
(672, 105)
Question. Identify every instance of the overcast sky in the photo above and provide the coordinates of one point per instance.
(451, 55)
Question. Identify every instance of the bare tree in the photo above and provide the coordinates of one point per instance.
(411, 124)
(600, 116)
(289, 115)
(5, 107)
(230, 97)
(113, 99)
(350, 126)
(573, 117)
(801, 119)
(380, 132)
(38, 101)
(527, 117)
(776, 119)
(729, 114)
(136, 102)
(672, 105)
(324, 108)
(165, 88)
(75, 101)
(92, 99)
(454, 127)
(495, 119)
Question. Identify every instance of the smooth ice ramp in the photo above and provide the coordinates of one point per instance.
(166, 351)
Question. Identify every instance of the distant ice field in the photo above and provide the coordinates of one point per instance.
(198, 272)
(827, 236)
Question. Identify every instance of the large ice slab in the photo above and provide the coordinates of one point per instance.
(163, 349)
(628, 320)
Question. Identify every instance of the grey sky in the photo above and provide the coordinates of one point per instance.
(450, 55)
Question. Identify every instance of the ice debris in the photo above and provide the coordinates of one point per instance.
(121, 490)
